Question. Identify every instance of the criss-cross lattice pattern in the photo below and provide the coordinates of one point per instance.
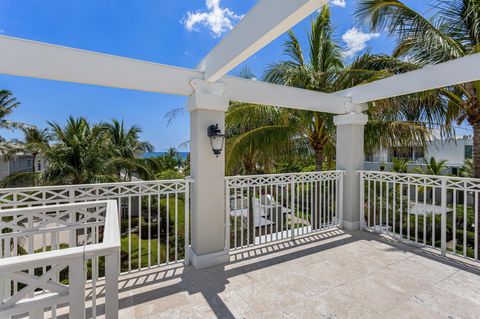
(281, 179)
(51, 195)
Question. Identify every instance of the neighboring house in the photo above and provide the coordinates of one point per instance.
(20, 163)
(454, 151)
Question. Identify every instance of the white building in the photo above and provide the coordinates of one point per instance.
(455, 151)
(21, 163)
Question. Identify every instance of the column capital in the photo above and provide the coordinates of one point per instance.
(208, 96)
(350, 119)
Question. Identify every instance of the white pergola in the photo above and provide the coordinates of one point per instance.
(210, 90)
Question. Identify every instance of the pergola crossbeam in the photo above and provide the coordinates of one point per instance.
(463, 70)
(264, 23)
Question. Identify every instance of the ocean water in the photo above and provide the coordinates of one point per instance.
(157, 154)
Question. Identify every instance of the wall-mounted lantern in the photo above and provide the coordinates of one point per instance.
(217, 139)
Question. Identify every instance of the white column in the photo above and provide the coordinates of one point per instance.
(350, 158)
(207, 106)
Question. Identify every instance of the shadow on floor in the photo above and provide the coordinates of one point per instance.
(210, 282)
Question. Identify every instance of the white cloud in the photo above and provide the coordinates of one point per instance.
(217, 19)
(339, 3)
(356, 41)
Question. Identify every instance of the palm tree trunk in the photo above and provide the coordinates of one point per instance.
(318, 160)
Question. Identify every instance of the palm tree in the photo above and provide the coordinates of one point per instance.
(392, 122)
(7, 105)
(35, 142)
(451, 32)
(79, 154)
(432, 167)
(400, 165)
(467, 169)
(126, 148)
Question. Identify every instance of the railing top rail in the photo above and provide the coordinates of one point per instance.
(37, 209)
(440, 177)
(286, 174)
(68, 187)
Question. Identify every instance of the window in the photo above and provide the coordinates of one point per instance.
(39, 166)
(468, 151)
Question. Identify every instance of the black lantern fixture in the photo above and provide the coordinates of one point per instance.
(216, 139)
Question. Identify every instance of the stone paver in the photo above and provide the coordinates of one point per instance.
(331, 275)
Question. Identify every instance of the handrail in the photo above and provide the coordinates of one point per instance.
(286, 174)
(74, 257)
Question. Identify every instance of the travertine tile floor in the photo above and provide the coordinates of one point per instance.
(331, 275)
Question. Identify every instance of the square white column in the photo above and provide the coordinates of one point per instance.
(350, 158)
(207, 107)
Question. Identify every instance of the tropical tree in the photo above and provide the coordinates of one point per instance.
(450, 31)
(467, 168)
(400, 165)
(126, 148)
(8, 103)
(79, 154)
(432, 167)
(170, 165)
(392, 122)
(35, 142)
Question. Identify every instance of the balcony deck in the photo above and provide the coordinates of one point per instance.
(330, 275)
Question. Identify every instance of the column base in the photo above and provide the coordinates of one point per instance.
(209, 260)
(347, 225)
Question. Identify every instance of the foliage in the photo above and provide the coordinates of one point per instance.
(451, 31)
(80, 153)
(399, 165)
(258, 134)
(467, 168)
(432, 167)
(170, 165)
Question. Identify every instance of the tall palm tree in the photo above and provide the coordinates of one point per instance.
(392, 122)
(451, 32)
(35, 142)
(126, 147)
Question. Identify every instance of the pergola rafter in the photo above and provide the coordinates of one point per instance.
(267, 20)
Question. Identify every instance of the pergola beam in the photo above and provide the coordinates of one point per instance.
(256, 92)
(442, 75)
(45, 61)
(264, 23)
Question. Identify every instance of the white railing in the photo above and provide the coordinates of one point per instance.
(51, 256)
(267, 208)
(153, 215)
(437, 211)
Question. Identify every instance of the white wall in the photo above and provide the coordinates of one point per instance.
(452, 151)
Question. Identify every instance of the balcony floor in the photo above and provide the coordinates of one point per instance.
(330, 275)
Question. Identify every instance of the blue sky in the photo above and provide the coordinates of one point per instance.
(176, 32)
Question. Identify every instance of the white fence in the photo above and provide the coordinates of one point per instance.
(78, 244)
(437, 211)
(153, 215)
(267, 208)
